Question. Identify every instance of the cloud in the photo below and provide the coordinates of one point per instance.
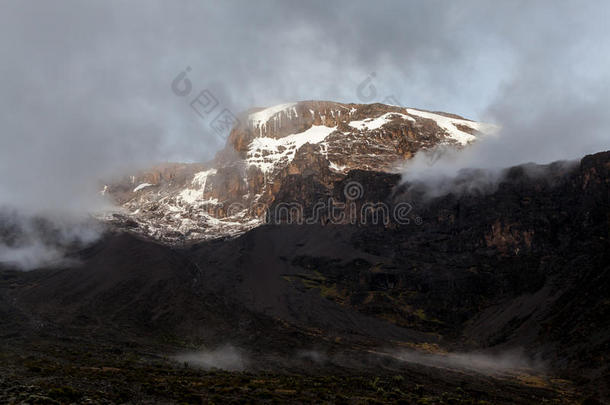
(228, 357)
(86, 87)
(509, 361)
(552, 103)
(225, 357)
(29, 242)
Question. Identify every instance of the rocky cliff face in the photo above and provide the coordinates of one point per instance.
(323, 139)
(525, 266)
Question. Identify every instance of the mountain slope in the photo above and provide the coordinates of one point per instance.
(525, 266)
(230, 194)
(329, 252)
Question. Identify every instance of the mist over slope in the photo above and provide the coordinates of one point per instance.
(87, 88)
(331, 202)
(523, 269)
(102, 100)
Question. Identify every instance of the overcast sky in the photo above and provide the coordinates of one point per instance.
(86, 86)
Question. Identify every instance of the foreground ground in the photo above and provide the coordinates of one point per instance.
(75, 372)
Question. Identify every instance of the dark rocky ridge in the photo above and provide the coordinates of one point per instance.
(525, 266)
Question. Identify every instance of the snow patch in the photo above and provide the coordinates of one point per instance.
(261, 118)
(192, 195)
(269, 153)
(336, 167)
(201, 178)
(449, 125)
(142, 186)
(376, 123)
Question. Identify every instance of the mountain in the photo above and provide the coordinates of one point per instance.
(225, 197)
(525, 267)
(337, 282)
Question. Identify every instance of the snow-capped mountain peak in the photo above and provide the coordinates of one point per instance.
(227, 196)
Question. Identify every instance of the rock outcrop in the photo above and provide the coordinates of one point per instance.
(178, 202)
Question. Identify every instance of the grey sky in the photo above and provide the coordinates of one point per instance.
(86, 85)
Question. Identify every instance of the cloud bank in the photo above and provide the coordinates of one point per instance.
(86, 87)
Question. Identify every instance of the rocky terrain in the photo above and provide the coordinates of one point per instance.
(225, 197)
(497, 297)
(312, 274)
